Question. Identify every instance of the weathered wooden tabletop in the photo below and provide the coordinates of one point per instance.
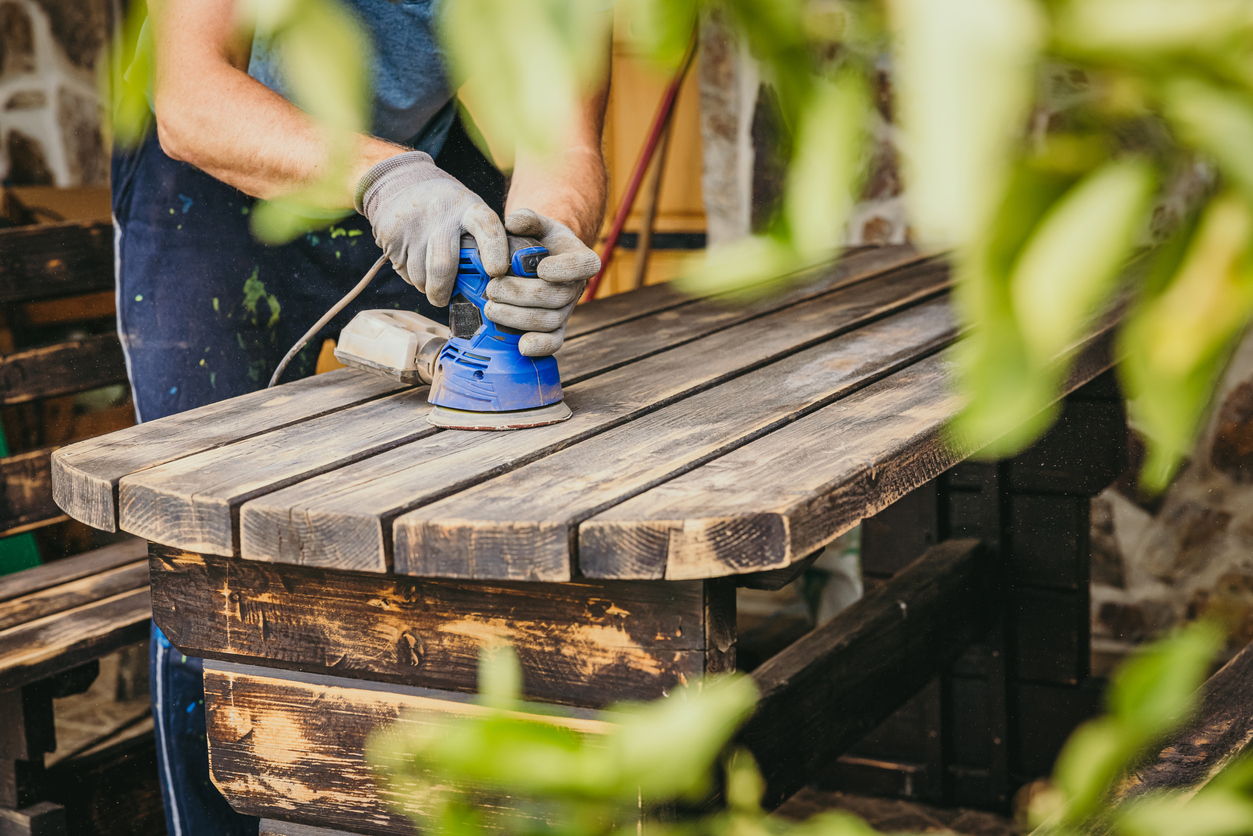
(708, 439)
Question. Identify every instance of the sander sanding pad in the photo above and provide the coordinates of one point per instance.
(521, 419)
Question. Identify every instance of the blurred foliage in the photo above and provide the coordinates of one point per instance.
(1042, 204)
(1041, 201)
(509, 767)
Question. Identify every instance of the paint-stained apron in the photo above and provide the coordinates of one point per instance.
(206, 312)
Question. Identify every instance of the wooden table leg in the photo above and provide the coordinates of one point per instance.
(999, 716)
(27, 733)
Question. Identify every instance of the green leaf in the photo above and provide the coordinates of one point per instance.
(500, 676)
(1156, 689)
(1218, 122)
(964, 80)
(1212, 814)
(1070, 266)
(748, 268)
(542, 56)
(1091, 760)
(661, 29)
(1176, 340)
(128, 91)
(1133, 27)
(824, 175)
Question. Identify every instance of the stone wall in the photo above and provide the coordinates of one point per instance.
(1188, 553)
(743, 174)
(50, 109)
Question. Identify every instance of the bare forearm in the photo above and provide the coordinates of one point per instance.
(570, 189)
(212, 114)
(246, 135)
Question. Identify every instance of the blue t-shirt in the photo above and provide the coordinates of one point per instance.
(412, 98)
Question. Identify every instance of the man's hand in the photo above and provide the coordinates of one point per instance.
(418, 213)
(542, 306)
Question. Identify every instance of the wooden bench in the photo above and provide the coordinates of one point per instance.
(56, 620)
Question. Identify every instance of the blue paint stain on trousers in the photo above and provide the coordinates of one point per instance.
(205, 313)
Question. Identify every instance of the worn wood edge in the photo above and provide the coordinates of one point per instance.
(71, 568)
(243, 746)
(88, 244)
(671, 539)
(851, 673)
(187, 516)
(33, 506)
(93, 499)
(1219, 734)
(81, 495)
(576, 641)
(37, 373)
(76, 593)
(108, 625)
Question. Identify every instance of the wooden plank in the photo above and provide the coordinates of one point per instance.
(71, 568)
(56, 643)
(808, 482)
(85, 475)
(49, 260)
(578, 643)
(1219, 734)
(522, 525)
(61, 369)
(274, 827)
(343, 519)
(193, 502)
(845, 677)
(291, 746)
(73, 594)
(26, 491)
(599, 314)
(643, 336)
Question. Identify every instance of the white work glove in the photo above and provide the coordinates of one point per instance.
(418, 214)
(542, 306)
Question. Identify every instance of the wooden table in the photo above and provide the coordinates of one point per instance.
(339, 560)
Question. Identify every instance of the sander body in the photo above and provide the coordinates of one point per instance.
(479, 378)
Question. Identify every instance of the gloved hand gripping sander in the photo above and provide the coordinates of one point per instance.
(479, 379)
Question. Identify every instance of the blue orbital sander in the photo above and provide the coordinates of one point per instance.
(479, 379)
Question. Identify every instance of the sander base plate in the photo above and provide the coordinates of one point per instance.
(461, 419)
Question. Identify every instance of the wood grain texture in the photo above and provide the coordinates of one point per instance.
(578, 643)
(624, 307)
(71, 568)
(192, 502)
(838, 682)
(522, 525)
(61, 369)
(646, 335)
(343, 518)
(74, 594)
(50, 260)
(85, 475)
(1221, 733)
(782, 497)
(291, 746)
(55, 643)
(26, 492)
